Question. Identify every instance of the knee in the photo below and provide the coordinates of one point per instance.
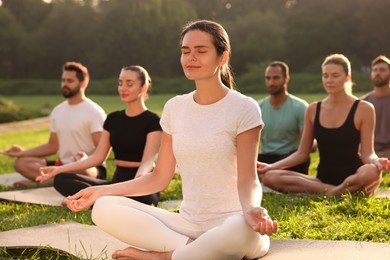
(269, 179)
(237, 225)
(243, 235)
(60, 185)
(18, 164)
(235, 222)
(101, 211)
(58, 179)
(368, 173)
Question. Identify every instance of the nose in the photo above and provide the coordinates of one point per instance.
(192, 57)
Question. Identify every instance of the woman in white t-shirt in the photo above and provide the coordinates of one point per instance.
(211, 135)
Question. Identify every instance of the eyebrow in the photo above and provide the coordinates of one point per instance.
(126, 80)
(196, 47)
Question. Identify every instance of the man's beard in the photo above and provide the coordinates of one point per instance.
(379, 82)
(68, 93)
(277, 92)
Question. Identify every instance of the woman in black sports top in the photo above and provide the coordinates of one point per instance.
(134, 135)
(340, 123)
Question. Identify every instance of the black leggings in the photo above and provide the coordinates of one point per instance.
(271, 158)
(70, 183)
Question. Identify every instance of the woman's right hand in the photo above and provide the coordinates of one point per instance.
(47, 173)
(263, 167)
(83, 199)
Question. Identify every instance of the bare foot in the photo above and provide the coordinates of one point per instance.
(134, 254)
(24, 184)
(30, 184)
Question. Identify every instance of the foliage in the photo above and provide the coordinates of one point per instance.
(251, 81)
(36, 37)
(10, 112)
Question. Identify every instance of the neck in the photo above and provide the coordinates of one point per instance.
(207, 94)
(279, 99)
(338, 98)
(135, 108)
(382, 91)
(77, 99)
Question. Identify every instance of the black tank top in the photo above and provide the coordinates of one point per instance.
(338, 148)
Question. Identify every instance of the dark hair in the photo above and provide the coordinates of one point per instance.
(81, 71)
(221, 42)
(143, 75)
(380, 59)
(283, 66)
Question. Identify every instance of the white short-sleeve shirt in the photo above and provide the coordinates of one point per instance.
(74, 125)
(204, 145)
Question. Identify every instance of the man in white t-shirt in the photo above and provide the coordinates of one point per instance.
(76, 125)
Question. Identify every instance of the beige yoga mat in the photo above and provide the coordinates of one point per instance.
(327, 250)
(9, 179)
(49, 196)
(83, 241)
(45, 196)
(89, 242)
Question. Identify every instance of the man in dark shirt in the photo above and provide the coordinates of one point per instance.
(380, 98)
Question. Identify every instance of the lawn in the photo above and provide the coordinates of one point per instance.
(344, 217)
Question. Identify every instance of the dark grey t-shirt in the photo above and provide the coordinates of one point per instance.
(382, 129)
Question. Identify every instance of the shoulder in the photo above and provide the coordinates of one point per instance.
(59, 108)
(298, 101)
(114, 116)
(263, 101)
(60, 105)
(115, 113)
(151, 115)
(365, 106)
(93, 105)
(312, 108)
(237, 97)
(178, 100)
(367, 96)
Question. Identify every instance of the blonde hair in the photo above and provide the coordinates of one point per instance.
(340, 59)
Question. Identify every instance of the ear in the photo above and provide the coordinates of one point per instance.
(348, 78)
(84, 84)
(224, 58)
(287, 79)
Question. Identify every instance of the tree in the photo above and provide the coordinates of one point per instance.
(11, 35)
(144, 32)
(256, 37)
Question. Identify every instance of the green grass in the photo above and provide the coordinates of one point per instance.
(300, 216)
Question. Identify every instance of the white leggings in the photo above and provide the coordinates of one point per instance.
(155, 229)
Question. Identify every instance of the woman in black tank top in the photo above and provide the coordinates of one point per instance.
(133, 134)
(344, 128)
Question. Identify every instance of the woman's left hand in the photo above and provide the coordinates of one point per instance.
(383, 164)
(261, 222)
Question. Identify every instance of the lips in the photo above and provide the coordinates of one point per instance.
(189, 67)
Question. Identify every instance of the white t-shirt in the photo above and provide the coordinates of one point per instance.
(74, 125)
(204, 145)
